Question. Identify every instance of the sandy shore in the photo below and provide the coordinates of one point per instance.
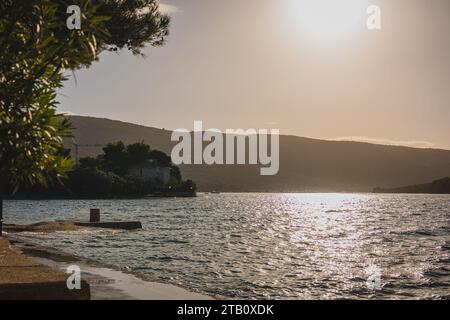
(106, 282)
(44, 226)
(24, 278)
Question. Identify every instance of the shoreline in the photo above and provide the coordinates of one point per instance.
(150, 196)
(106, 282)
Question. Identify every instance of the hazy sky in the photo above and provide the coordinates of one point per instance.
(308, 67)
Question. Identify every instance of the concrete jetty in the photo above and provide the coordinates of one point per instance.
(121, 225)
(22, 278)
(94, 222)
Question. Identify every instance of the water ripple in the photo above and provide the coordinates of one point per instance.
(271, 246)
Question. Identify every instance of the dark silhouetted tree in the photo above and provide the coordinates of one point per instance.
(138, 153)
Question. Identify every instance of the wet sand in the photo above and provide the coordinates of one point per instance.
(24, 278)
(44, 226)
(106, 282)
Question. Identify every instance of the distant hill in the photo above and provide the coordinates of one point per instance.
(441, 186)
(306, 165)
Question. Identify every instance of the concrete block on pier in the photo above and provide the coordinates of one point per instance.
(94, 215)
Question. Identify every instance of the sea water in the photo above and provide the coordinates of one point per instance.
(268, 246)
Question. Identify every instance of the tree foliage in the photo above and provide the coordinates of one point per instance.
(106, 176)
(36, 50)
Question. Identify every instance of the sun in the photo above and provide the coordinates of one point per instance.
(327, 21)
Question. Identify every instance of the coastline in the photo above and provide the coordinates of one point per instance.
(106, 282)
(165, 195)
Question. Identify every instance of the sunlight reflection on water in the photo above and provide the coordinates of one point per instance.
(271, 245)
